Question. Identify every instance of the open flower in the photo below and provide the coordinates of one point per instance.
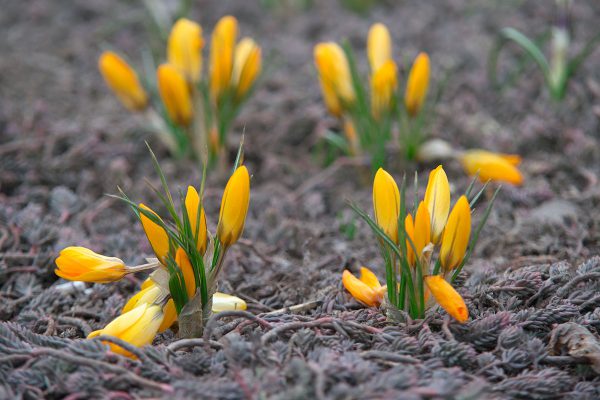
(456, 235)
(234, 207)
(246, 66)
(81, 264)
(334, 73)
(175, 94)
(492, 166)
(221, 56)
(386, 203)
(137, 327)
(417, 85)
(447, 297)
(437, 199)
(123, 81)
(184, 49)
(365, 289)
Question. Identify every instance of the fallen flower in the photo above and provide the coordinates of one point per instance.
(447, 297)
(365, 289)
(492, 166)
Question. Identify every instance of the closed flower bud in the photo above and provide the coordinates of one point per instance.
(447, 297)
(417, 85)
(123, 81)
(221, 56)
(156, 234)
(365, 289)
(386, 203)
(137, 327)
(234, 207)
(184, 49)
(226, 302)
(246, 67)
(81, 264)
(383, 87)
(492, 166)
(192, 203)
(175, 94)
(379, 46)
(437, 199)
(334, 73)
(183, 262)
(456, 235)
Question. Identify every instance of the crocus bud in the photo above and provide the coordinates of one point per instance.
(383, 87)
(221, 56)
(437, 199)
(417, 85)
(234, 207)
(137, 327)
(226, 302)
(334, 73)
(192, 203)
(447, 297)
(365, 289)
(156, 234)
(386, 203)
(175, 94)
(183, 262)
(456, 235)
(184, 49)
(246, 67)
(379, 46)
(81, 264)
(492, 166)
(123, 81)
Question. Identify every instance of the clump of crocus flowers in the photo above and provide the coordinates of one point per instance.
(368, 116)
(194, 112)
(424, 250)
(182, 286)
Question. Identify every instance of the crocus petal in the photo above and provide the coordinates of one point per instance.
(170, 316)
(184, 49)
(234, 207)
(492, 166)
(175, 95)
(379, 46)
(226, 302)
(192, 203)
(361, 291)
(437, 199)
(147, 295)
(246, 67)
(456, 235)
(409, 228)
(417, 85)
(369, 278)
(182, 260)
(386, 203)
(334, 70)
(80, 264)
(422, 231)
(157, 236)
(447, 297)
(221, 56)
(383, 87)
(123, 81)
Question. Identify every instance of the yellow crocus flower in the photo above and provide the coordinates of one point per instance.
(157, 236)
(383, 87)
(182, 260)
(175, 94)
(365, 289)
(192, 203)
(227, 302)
(81, 264)
(151, 293)
(246, 66)
(419, 232)
(379, 46)
(334, 72)
(447, 297)
(234, 207)
(137, 327)
(386, 203)
(456, 235)
(123, 81)
(221, 56)
(437, 199)
(417, 85)
(409, 228)
(184, 49)
(492, 166)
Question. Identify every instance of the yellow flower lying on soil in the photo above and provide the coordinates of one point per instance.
(365, 289)
(492, 166)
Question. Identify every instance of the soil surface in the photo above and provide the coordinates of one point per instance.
(65, 142)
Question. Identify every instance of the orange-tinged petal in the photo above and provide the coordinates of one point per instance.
(456, 235)
(234, 207)
(222, 55)
(157, 236)
(379, 46)
(182, 260)
(422, 231)
(123, 81)
(369, 278)
(409, 227)
(184, 49)
(175, 95)
(447, 297)
(383, 86)
(170, 316)
(437, 199)
(492, 166)
(361, 291)
(386, 203)
(192, 203)
(417, 85)
(80, 264)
